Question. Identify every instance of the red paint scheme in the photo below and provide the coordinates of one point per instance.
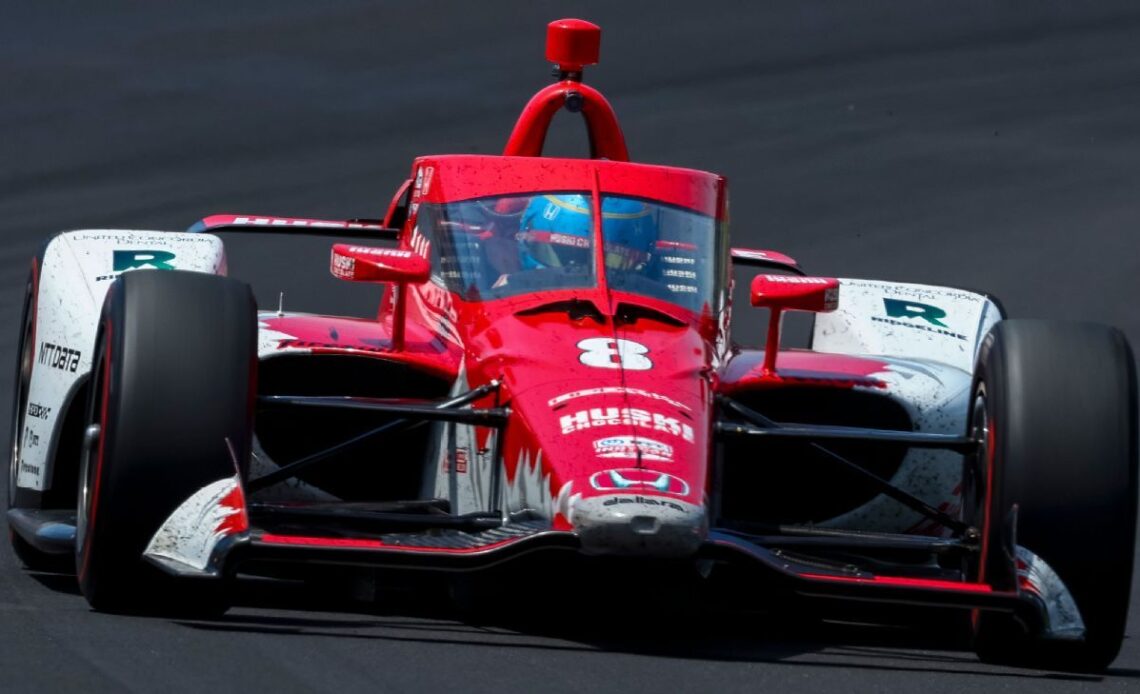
(801, 368)
(238, 520)
(595, 379)
(536, 354)
(628, 393)
(553, 367)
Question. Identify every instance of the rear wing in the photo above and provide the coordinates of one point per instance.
(765, 260)
(352, 228)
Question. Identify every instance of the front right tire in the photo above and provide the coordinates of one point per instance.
(1056, 406)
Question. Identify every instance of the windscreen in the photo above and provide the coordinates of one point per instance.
(498, 247)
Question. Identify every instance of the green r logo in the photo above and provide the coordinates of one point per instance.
(134, 260)
(913, 309)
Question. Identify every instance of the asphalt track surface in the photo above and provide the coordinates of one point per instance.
(982, 144)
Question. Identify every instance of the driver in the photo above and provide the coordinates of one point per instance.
(556, 231)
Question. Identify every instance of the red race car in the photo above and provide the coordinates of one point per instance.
(550, 374)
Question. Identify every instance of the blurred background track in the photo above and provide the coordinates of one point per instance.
(992, 145)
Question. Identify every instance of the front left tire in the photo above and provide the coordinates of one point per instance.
(172, 395)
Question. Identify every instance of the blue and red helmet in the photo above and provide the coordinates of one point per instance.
(557, 231)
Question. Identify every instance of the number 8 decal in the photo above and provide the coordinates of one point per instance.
(610, 353)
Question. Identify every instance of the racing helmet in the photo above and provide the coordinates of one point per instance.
(556, 231)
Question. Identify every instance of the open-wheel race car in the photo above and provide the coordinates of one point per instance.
(550, 373)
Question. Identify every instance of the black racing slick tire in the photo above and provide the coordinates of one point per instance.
(1055, 404)
(172, 395)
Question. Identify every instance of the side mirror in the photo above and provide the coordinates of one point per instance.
(354, 263)
(793, 293)
(790, 293)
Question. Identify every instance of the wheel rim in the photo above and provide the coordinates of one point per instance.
(974, 468)
(975, 493)
(83, 503)
(90, 450)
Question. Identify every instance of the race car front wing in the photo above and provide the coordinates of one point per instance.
(1041, 602)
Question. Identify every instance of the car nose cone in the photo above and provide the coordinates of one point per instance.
(639, 525)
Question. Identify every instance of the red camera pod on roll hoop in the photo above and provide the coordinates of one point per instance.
(790, 293)
(571, 44)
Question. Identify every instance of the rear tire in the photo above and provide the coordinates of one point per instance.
(1057, 405)
(172, 380)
